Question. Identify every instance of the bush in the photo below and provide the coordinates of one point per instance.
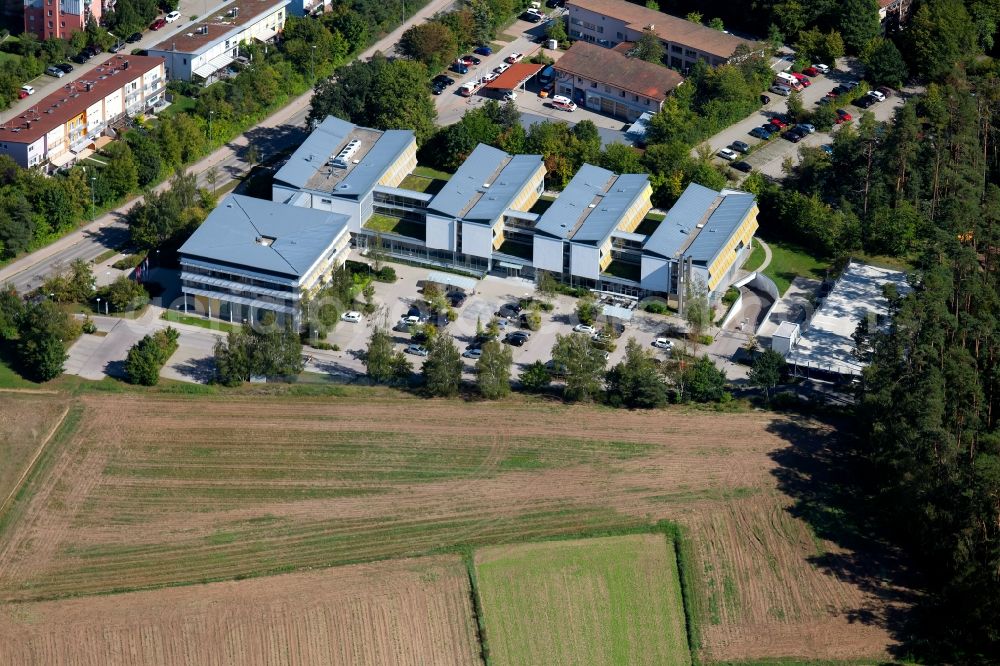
(128, 262)
(656, 307)
(88, 326)
(146, 357)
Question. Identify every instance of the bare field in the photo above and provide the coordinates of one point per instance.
(415, 611)
(25, 421)
(611, 600)
(156, 490)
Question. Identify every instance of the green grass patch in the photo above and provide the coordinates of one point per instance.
(649, 223)
(623, 270)
(428, 172)
(789, 261)
(756, 258)
(9, 378)
(422, 184)
(179, 104)
(195, 320)
(504, 38)
(104, 256)
(609, 600)
(541, 205)
(393, 225)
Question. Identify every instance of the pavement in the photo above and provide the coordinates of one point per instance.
(283, 129)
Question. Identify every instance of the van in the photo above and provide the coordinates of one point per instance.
(779, 89)
(563, 103)
(467, 89)
(545, 76)
(787, 80)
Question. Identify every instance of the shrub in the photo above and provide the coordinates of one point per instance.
(88, 325)
(146, 357)
(656, 307)
(386, 274)
(128, 262)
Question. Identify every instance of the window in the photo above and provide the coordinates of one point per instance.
(691, 54)
(593, 85)
(676, 49)
(622, 93)
(600, 28)
(621, 36)
(607, 89)
(185, 61)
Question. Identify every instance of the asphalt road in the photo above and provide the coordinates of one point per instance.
(283, 129)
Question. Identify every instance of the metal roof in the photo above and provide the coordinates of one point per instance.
(514, 76)
(232, 234)
(485, 185)
(607, 213)
(364, 176)
(561, 218)
(720, 227)
(452, 280)
(322, 142)
(680, 222)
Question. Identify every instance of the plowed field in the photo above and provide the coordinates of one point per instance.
(156, 490)
(402, 612)
(25, 422)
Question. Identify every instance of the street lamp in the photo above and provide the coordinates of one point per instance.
(210, 114)
(312, 64)
(93, 199)
(98, 305)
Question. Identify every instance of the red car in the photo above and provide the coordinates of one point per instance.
(843, 116)
(810, 71)
(158, 23)
(21, 94)
(778, 122)
(803, 79)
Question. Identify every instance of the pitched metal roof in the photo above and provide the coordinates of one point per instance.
(265, 236)
(514, 76)
(485, 185)
(563, 216)
(720, 227)
(677, 227)
(608, 211)
(322, 142)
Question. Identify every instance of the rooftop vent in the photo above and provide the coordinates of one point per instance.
(342, 159)
(592, 206)
(265, 240)
(699, 226)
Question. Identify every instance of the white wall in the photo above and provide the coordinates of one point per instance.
(442, 233)
(547, 253)
(654, 273)
(585, 261)
(477, 240)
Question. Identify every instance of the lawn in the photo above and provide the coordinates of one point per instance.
(649, 223)
(623, 269)
(9, 378)
(789, 261)
(756, 257)
(422, 184)
(194, 320)
(393, 225)
(179, 104)
(428, 172)
(612, 600)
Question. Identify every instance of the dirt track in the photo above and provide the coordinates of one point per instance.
(201, 489)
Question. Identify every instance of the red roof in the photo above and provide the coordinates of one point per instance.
(515, 76)
(74, 98)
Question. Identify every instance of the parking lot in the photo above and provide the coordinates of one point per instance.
(767, 156)
(490, 294)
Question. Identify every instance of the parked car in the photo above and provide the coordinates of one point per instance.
(663, 343)
(514, 57)
(851, 84)
(509, 310)
(877, 94)
(517, 338)
(745, 167)
(456, 298)
(65, 67)
(473, 353)
(584, 328)
(740, 146)
(886, 91)
(778, 122)
(484, 50)
(28, 89)
(563, 103)
(509, 96)
(784, 91)
(764, 99)
(172, 16)
(803, 79)
(827, 148)
(809, 129)
(794, 135)
(531, 17)
(728, 154)
(500, 69)
(134, 37)
(352, 316)
(437, 89)
(80, 58)
(157, 24)
(417, 350)
(21, 94)
(761, 133)
(118, 46)
(459, 67)
(811, 71)
(864, 101)
(471, 58)
(843, 116)
(52, 70)
(821, 68)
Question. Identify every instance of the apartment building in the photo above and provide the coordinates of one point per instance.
(351, 170)
(609, 23)
(608, 81)
(252, 256)
(53, 132)
(59, 18)
(211, 45)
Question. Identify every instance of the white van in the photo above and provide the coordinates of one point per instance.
(786, 79)
(563, 103)
(467, 89)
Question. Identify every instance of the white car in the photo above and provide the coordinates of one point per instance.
(509, 96)
(352, 316)
(877, 95)
(728, 154)
(28, 89)
(663, 343)
(584, 328)
(412, 320)
(821, 68)
(173, 16)
(514, 57)
(501, 69)
(417, 350)
(472, 353)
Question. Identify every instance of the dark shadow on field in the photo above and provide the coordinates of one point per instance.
(202, 370)
(821, 471)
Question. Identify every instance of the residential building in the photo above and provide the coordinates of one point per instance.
(309, 7)
(704, 238)
(350, 170)
(610, 22)
(489, 217)
(489, 191)
(252, 256)
(610, 82)
(59, 128)
(892, 14)
(59, 18)
(211, 45)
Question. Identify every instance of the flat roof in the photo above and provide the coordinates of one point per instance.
(452, 280)
(669, 28)
(608, 66)
(225, 20)
(485, 185)
(265, 236)
(72, 99)
(311, 165)
(517, 74)
(826, 342)
(567, 212)
(786, 329)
